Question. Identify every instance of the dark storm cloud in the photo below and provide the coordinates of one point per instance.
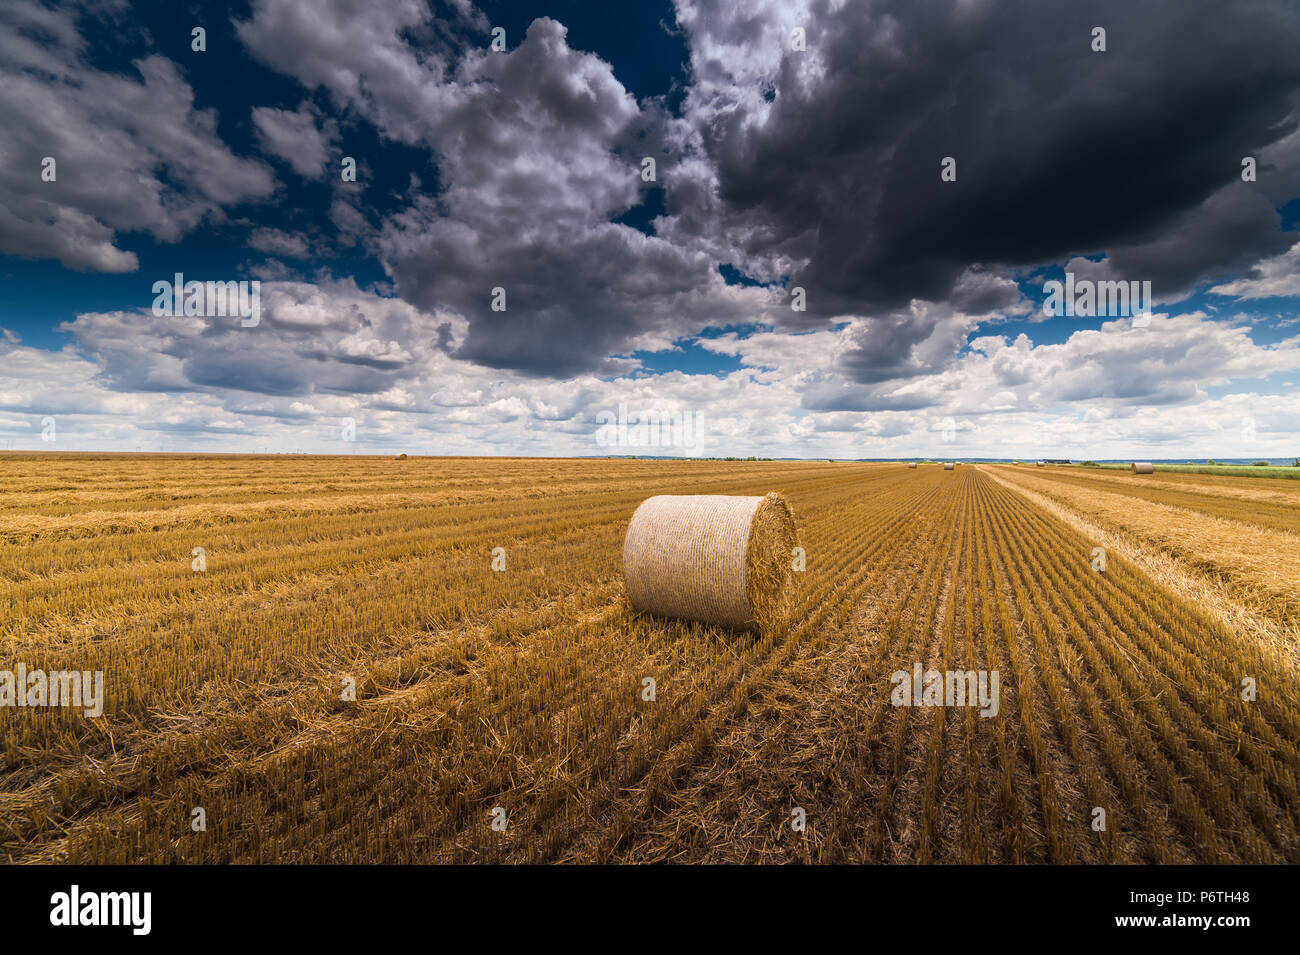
(538, 150)
(1227, 234)
(878, 349)
(1059, 149)
(818, 168)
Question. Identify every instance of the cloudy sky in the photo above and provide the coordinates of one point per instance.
(799, 152)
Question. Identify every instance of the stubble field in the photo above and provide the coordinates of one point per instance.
(517, 695)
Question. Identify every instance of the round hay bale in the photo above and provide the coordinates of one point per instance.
(912, 464)
(1143, 467)
(949, 466)
(402, 456)
(1041, 464)
(712, 558)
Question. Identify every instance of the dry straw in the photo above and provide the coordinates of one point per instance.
(712, 558)
(1041, 464)
(1143, 467)
(949, 466)
(912, 464)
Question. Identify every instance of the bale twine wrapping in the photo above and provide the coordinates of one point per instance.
(949, 466)
(1143, 467)
(712, 558)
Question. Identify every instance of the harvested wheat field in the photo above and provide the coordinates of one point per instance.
(511, 706)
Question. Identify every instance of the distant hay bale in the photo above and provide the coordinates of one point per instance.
(949, 466)
(912, 464)
(712, 558)
(1142, 467)
(1041, 464)
(402, 456)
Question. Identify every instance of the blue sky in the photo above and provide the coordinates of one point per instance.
(799, 151)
